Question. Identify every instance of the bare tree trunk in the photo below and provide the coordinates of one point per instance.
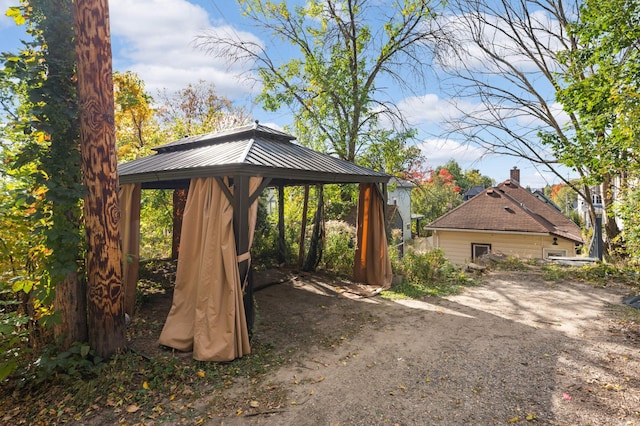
(99, 166)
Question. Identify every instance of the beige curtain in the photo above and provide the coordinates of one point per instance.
(207, 315)
(130, 242)
(372, 264)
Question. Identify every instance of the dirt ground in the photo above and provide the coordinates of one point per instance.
(516, 350)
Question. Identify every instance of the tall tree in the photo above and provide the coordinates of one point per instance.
(136, 128)
(99, 169)
(604, 88)
(507, 61)
(345, 50)
(47, 118)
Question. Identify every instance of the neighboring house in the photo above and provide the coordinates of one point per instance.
(399, 196)
(505, 219)
(472, 192)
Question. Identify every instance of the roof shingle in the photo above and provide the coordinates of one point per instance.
(508, 208)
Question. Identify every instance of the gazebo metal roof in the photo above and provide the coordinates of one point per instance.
(251, 150)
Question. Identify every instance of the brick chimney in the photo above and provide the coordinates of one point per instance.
(515, 174)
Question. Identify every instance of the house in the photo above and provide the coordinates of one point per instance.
(472, 192)
(399, 198)
(505, 219)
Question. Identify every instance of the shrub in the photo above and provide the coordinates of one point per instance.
(428, 273)
(339, 247)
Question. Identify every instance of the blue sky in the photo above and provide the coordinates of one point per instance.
(155, 38)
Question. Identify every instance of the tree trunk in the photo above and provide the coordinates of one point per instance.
(611, 229)
(105, 301)
(179, 203)
(317, 235)
(281, 252)
(71, 304)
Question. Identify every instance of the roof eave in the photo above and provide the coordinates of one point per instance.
(245, 170)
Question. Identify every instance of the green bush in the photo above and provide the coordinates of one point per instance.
(339, 247)
(13, 338)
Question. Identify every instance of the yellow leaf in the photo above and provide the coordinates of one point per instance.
(531, 417)
(239, 412)
(200, 373)
(172, 397)
(514, 419)
(145, 385)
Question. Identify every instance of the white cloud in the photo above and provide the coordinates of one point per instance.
(439, 151)
(156, 39)
(505, 37)
(5, 21)
(429, 109)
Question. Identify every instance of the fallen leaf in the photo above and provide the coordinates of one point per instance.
(254, 404)
(200, 373)
(514, 420)
(566, 396)
(145, 385)
(531, 417)
(132, 408)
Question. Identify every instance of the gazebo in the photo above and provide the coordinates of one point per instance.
(225, 172)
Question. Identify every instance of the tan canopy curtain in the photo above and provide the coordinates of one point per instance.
(372, 264)
(130, 242)
(207, 314)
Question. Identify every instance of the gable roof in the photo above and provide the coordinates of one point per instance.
(251, 150)
(508, 208)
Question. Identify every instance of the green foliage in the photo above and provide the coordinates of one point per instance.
(265, 239)
(630, 215)
(79, 362)
(333, 83)
(428, 274)
(156, 223)
(339, 248)
(13, 335)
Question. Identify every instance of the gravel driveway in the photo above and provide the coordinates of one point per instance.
(516, 350)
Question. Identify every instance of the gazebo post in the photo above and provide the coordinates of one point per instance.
(303, 227)
(241, 231)
(281, 252)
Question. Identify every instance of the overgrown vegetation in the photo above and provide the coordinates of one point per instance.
(73, 385)
(427, 274)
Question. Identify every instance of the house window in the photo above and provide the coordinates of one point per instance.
(597, 199)
(478, 250)
(554, 253)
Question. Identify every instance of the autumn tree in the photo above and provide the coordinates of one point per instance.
(344, 53)
(137, 130)
(436, 194)
(464, 179)
(45, 128)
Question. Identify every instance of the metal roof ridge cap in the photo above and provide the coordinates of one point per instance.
(245, 153)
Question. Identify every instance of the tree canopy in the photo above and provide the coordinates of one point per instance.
(334, 81)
